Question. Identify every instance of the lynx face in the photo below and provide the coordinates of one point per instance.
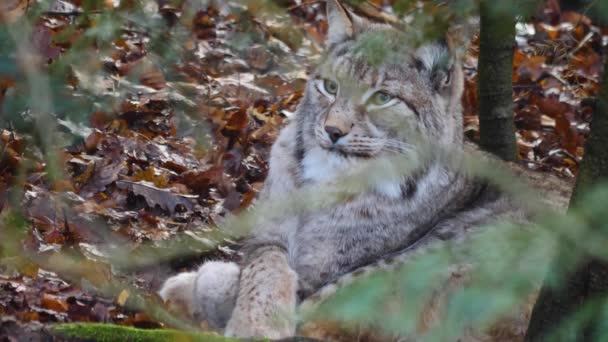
(374, 95)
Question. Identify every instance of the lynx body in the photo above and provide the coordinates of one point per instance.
(366, 101)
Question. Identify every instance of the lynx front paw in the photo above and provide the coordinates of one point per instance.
(255, 320)
(267, 299)
(256, 330)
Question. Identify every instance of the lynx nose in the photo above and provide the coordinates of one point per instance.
(334, 133)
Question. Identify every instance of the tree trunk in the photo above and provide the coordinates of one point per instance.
(495, 81)
(590, 280)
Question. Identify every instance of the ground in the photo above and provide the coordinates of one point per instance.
(174, 136)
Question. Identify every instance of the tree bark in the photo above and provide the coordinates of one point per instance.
(590, 280)
(495, 81)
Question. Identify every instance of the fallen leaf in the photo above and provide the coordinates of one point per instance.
(153, 196)
(122, 297)
(54, 303)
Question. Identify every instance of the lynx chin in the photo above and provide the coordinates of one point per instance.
(374, 96)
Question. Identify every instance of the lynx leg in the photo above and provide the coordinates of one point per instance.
(266, 301)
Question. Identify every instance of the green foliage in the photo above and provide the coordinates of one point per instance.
(14, 230)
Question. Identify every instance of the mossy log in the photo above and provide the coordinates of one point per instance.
(96, 332)
(110, 333)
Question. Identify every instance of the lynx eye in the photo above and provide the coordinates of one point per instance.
(330, 86)
(380, 98)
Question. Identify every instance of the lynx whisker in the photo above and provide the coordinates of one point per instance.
(398, 147)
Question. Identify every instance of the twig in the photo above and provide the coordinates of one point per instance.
(581, 44)
(66, 226)
(295, 7)
(72, 13)
(525, 86)
(557, 77)
(539, 163)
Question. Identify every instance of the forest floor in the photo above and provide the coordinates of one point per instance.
(184, 144)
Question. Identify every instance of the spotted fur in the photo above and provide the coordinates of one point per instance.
(308, 256)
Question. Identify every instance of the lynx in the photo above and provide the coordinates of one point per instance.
(375, 95)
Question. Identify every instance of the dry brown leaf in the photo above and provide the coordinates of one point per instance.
(54, 303)
(153, 196)
(122, 297)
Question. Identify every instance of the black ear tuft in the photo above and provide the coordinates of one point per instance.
(442, 75)
(437, 60)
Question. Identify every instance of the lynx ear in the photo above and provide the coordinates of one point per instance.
(340, 22)
(438, 59)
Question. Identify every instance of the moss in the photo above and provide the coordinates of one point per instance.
(111, 333)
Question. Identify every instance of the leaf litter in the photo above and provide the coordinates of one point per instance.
(168, 152)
